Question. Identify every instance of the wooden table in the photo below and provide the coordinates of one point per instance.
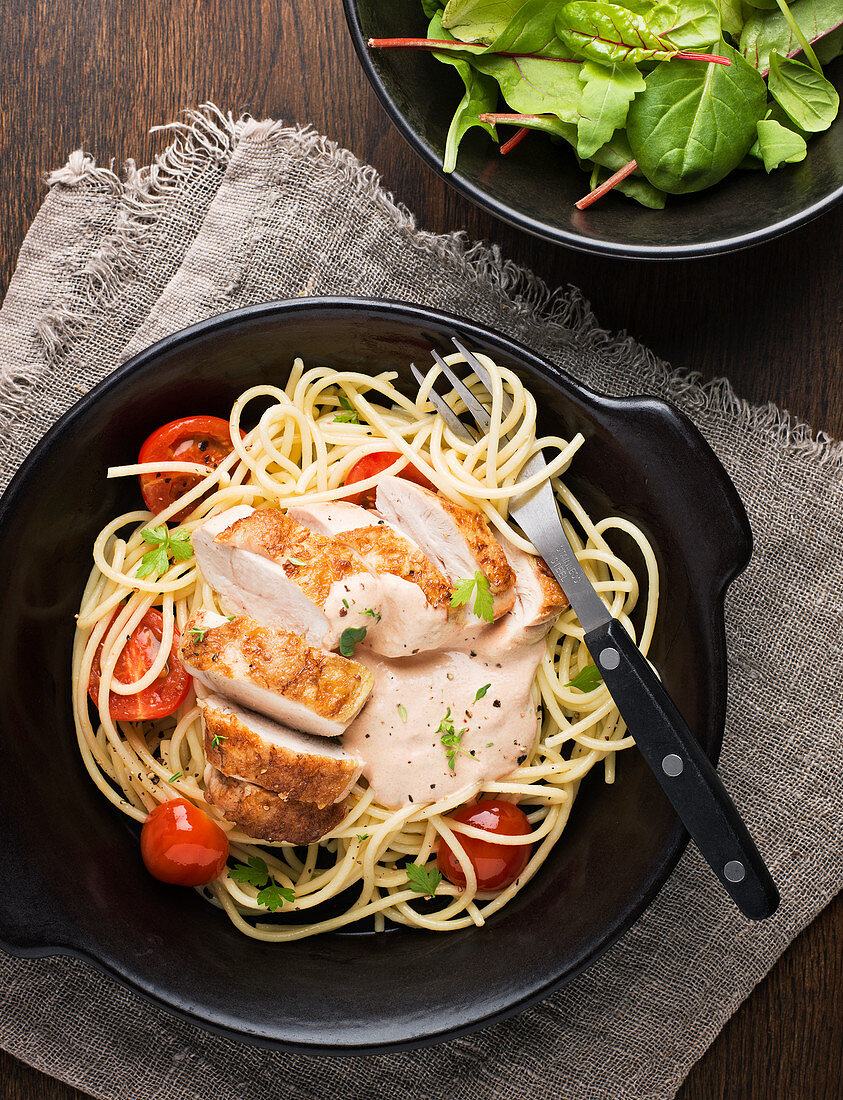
(100, 73)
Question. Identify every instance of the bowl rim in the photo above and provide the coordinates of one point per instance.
(555, 235)
(40, 944)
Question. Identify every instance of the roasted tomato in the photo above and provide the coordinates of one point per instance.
(375, 463)
(182, 845)
(162, 697)
(202, 439)
(496, 865)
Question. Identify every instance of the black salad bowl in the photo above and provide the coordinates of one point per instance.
(75, 884)
(536, 185)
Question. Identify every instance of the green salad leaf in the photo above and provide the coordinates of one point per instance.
(805, 96)
(608, 92)
(691, 126)
(776, 145)
(766, 31)
(481, 96)
(608, 32)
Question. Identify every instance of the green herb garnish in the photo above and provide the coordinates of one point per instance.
(349, 638)
(376, 615)
(165, 544)
(481, 692)
(350, 415)
(451, 739)
(424, 880)
(402, 712)
(587, 679)
(362, 836)
(175, 776)
(217, 739)
(273, 896)
(197, 631)
(256, 873)
(479, 586)
(292, 561)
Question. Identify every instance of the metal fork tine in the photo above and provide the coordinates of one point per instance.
(480, 414)
(444, 409)
(481, 372)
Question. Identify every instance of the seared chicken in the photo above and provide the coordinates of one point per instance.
(332, 517)
(266, 816)
(247, 746)
(454, 538)
(268, 566)
(275, 673)
(538, 598)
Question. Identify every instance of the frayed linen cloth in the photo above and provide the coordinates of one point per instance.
(240, 211)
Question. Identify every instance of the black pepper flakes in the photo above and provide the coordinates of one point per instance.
(496, 703)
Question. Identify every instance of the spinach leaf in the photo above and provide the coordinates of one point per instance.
(697, 24)
(479, 20)
(732, 17)
(805, 96)
(608, 32)
(693, 124)
(764, 32)
(481, 97)
(608, 92)
(777, 145)
(535, 85)
(531, 30)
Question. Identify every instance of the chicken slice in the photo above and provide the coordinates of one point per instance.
(456, 539)
(272, 568)
(332, 517)
(275, 673)
(413, 607)
(266, 816)
(539, 600)
(245, 745)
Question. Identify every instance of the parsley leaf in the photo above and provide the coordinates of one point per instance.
(349, 639)
(587, 679)
(362, 836)
(256, 872)
(197, 632)
(164, 544)
(481, 692)
(451, 739)
(217, 739)
(423, 880)
(402, 712)
(350, 415)
(273, 896)
(376, 615)
(483, 601)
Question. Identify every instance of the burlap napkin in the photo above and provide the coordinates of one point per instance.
(241, 212)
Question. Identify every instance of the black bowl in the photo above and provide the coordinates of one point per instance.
(535, 187)
(74, 879)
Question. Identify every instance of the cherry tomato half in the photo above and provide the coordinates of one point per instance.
(203, 439)
(496, 865)
(182, 845)
(162, 697)
(375, 463)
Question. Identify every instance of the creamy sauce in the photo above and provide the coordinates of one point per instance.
(406, 761)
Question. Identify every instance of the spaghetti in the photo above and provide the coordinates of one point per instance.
(301, 450)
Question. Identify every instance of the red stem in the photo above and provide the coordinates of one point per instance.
(714, 58)
(604, 188)
(519, 135)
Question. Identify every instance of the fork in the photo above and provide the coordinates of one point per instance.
(664, 739)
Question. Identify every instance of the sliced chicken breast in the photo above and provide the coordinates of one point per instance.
(332, 517)
(270, 567)
(538, 598)
(248, 746)
(456, 539)
(266, 816)
(412, 612)
(275, 672)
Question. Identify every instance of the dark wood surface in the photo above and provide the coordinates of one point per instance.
(100, 73)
